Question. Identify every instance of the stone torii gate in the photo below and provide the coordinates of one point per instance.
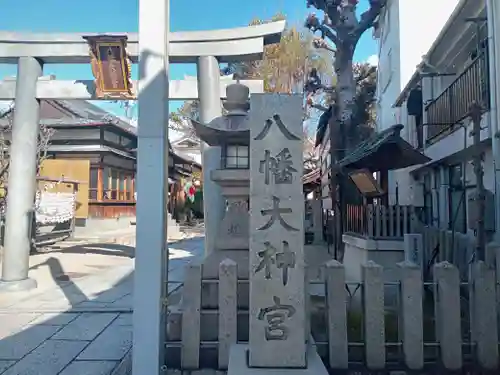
(153, 48)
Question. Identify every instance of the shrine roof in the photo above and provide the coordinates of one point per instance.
(384, 151)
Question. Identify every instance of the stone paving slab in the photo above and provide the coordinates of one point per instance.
(49, 358)
(123, 302)
(4, 365)
(117, 339)
(19, 344)
(86, 327)
(124, 320)
(11, 323)
(89, 368)
(53, 342)
(196, 372)
(71, 294)
(54, 319)
(79, 327)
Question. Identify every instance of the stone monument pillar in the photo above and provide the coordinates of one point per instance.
(277, 294)
(278, 334)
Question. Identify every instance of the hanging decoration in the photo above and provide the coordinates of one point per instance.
(190, 190)
(54, 208)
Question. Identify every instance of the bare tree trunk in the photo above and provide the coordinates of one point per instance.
(339, 125)
(343, 28)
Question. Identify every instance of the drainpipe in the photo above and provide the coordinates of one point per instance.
(493, 14)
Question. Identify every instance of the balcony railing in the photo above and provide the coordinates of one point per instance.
(453, 104)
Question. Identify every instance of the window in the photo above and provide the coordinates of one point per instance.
(128, 187)
(106, 177)
(236, 157)
(117, 184)
(456, 200)
(114, 184)
(427, 199)
(125, 141)
(93, 182)
(111, 137)
(420, 131)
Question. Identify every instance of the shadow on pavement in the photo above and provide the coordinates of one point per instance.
(85, 324)
(101, 248)
(91, 335)
(63, 280)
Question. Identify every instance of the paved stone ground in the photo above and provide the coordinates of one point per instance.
(79, 320)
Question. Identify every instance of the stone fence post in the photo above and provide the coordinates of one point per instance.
(447, 313)
(373, 313)
(411, 314)
(484, 305)
(337, 315)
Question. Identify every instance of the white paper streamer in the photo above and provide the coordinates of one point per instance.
(54, 208)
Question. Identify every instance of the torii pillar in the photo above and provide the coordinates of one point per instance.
(210, 108)
(22, 179)
(151, 256)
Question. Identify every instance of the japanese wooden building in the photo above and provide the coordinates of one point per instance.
(98, 149)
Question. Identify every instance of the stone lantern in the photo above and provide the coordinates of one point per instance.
(231, 132)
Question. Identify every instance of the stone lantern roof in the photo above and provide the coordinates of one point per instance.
(234, 126)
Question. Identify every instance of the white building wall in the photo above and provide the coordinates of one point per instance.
(195, 155)
(421, 22)
(388, 80)
(408, 30)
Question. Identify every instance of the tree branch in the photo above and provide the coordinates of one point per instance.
(327, 32)
(319, 107)
(321, 43)
(369, 17)
(311, 104)
(314, 24)
(329, 7)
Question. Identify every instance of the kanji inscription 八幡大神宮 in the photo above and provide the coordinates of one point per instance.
(275, 212)
(284, 260)
(277, 330)
(281, 126)
(280, 167)
(275, 315)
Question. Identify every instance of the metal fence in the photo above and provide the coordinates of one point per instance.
(452, 106)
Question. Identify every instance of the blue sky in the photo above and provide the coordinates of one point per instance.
(122, 16)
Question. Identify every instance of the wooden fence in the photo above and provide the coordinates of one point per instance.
(376, 221)
(429, 322)
(444, 245)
